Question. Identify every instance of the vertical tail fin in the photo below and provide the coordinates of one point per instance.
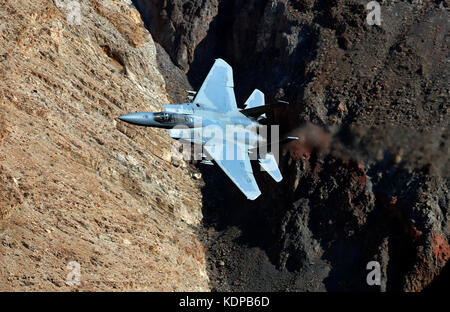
(256, 99)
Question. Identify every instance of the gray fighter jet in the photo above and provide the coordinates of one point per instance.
(226, 133)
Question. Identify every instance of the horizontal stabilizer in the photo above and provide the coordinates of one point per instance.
(259, 110)
(269, 164)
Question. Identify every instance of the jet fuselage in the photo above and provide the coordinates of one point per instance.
(204, 123)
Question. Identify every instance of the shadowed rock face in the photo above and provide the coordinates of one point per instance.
(179, 26)
(380, 189)
(75, 183)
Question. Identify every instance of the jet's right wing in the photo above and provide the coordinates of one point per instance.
(238, 169)
(217, 91)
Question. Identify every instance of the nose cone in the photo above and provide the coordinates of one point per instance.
(140, 119)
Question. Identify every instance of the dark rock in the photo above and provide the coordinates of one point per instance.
(380, 191)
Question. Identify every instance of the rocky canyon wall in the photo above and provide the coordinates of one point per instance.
(380, 95)
(76, 184)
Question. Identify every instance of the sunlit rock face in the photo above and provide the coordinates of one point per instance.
(76, 184)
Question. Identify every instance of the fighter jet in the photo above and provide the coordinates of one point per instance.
(226, 133)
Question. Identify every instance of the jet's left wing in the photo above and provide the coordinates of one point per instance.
(238, 168)
(217, 91)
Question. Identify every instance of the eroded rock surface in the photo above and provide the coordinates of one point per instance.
(76, 184)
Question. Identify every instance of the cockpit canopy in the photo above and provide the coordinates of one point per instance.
(164, 117)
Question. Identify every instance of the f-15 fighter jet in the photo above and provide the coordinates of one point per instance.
(227, 134)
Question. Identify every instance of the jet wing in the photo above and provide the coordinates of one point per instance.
(217, 91)
(238, 169)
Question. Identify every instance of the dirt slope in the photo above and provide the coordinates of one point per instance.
(75, 184)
